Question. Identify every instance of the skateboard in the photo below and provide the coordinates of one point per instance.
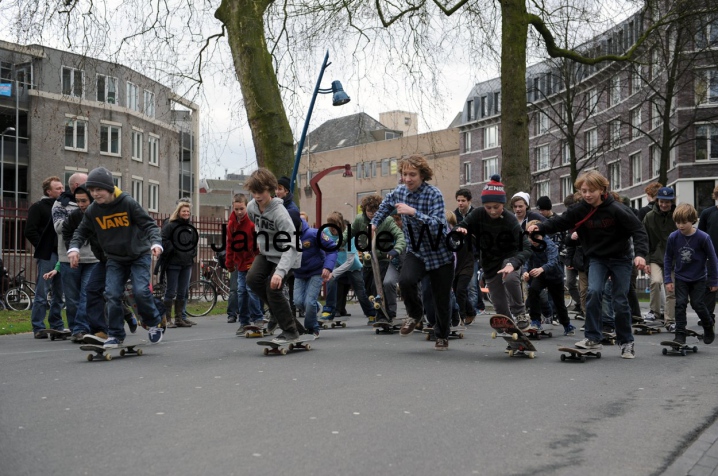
(455, 332)
(537, 333)
(505, 327)
(578, 354)
(334, 323)
(55, 334)
(385, 327)
(254, 331)
(272, 347)
(101, 353)
(645, 329)
(608, 338)
(378, 300)
(676, 348)
(692, 333)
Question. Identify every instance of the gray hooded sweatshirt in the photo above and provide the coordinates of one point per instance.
(276, 237)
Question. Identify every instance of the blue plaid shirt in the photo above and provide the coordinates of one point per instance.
(425, 231)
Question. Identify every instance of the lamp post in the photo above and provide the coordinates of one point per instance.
(339, 98)
(315, 187)
(2, 188)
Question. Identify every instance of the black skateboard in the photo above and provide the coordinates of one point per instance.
(102, 353)
(282, 347)
(572, 353)
(385, 327)
(55, 334)
(645, 329)
(692, 333)
(519, 344)
(537, 333)
(254, 331)
(676, 348)
(334, 323)
(456, 332)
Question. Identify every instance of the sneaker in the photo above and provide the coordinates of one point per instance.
(627, 351)
(650, 316)
(441, 344)
(155, 334)
(327, 316)
(523, 322)
(588, 344)
(382, 320)
(242, 329)
(286, 336)
(569, 330)
(316, 334)
(583, 328)
(708, 334)
(469, 319)
(101, 335)
(671, 327)
(419, 326)
(231, 320)
(77, 337)
(680, 338)
(131, 321)
(40, 335)
(580, 316)
(535, 326)
(189, 321)
(555, 322)
(609, 330)
(93, 339)
(408, 327)
(637, 319)
(114, 342)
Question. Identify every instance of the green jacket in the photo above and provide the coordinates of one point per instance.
(361, 222)
(658, 226)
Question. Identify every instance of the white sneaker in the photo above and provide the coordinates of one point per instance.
(627, 351)
(650, 316)
(589, 344)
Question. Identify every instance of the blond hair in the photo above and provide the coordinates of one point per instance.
(178, 209)
(685, 213)
(593, 180)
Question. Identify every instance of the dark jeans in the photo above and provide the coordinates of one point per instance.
(177, 282)
(427, 298)
(710, 300)
(233, 299)
(572, 283)
(259, 279)
(95, 308)
(633, 296)
(694, 291)
(412, 273)
(40, 304)
(555, 291)
(461, 292)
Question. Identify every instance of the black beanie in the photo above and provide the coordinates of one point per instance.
(284, 182)
(101, 178)
(544, 203)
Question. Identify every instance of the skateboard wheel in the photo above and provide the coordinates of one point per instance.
(308, 347)
(266, 351)
(291, 346)
(90, 357)
(563, 357)
(108, 357)
(122, 352)
(428, 336)
(695, 349)
(140, 352)
(635, 331)
(665, 351)
(683, 352)
(376, 305)
(511, 353)
(283, 351)
(515, 336)
(334, 325)
(52, 337)
(377, 331)
(371, 298)
(582, 358)
(550, 334)
(344, 324)
(493, 335)
(598, 355)
(461, 335)
(247, 334)
(532, 355)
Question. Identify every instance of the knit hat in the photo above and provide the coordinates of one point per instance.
(101, 178)
(524, 196)
(284, 181)
(494, 191)
(665, 193)
(544, 203)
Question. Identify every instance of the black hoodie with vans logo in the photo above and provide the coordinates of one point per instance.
(123, 228)
(604, 232)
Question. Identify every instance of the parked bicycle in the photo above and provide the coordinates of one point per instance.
(201, 296)
(215, 273)
(20, 293)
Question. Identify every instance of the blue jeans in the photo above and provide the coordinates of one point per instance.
(40, 304)
(95, 295)
(695, 292)
(619, 269)
(117, 275)
(608, 317)
(306, 293)
(232, 301)
(74, 283)
(177, 282)
(250, 307)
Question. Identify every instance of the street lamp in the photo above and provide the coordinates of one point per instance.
(339, 98)
(2, 187)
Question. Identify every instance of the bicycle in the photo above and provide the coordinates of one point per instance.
(213, 272)
(201, 296)
(21, 293)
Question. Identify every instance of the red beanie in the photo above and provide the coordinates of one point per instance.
(494, 191)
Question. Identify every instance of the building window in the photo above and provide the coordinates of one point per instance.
(655, 153)
(616, 133)
(75, 135)
(614, 175)
(132, 97)
(707, 36)
(393, 168)
(110, 139)
(373, 168)
(615, 90)
(106, 89)
(566, 187)
(543, 162)
(592, 101)
(137, 189)
(636, 123)
(636, 168)
(117, 180)
(542, 124)
(636, 80)
(137, 146)
(360, 170)
(467, 172)
(491, 137)
(72, 82)
(149, 103)
(565, 153)
(384, 167)
(497, 102)
(491, 167)
(543, 188)
(153, 147)
(467, 141)
(470, 110)
(707, 142)
(153, 197)
(703, 194)
(483, 106)
(591, 139)
(707, 87)
(655, 116)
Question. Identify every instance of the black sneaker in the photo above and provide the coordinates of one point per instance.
(441, 344)
(708, 334)
(231, 320)
(40, 335)
(680, 338)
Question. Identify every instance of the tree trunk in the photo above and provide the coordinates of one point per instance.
(271, 134)
(516, 166)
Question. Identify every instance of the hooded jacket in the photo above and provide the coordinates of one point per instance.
(123, 228)
(319, 252)
(548, 260)
(659, 225)
(362, 224)
(176, 256)
(276, 237)
(293, 210)
(241, 248)
(61, 210)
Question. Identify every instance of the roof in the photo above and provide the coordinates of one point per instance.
(215, 200)
(215, 185)
(347, 131)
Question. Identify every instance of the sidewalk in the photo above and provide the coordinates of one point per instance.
(700, 458)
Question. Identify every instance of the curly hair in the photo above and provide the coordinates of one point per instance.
(418, 162)
(371, 203)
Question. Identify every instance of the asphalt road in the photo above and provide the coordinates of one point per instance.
(206, 402)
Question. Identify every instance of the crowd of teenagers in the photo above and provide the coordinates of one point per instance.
(429, 253)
